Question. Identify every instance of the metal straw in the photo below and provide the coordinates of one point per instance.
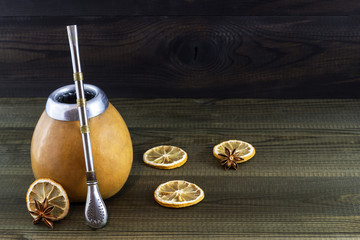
(95, 209)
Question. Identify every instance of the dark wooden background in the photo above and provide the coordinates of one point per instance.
(191, 48)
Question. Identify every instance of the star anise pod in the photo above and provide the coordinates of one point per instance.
(42, 213)
(231, 159)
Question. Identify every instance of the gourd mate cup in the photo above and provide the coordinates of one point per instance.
(56, 146)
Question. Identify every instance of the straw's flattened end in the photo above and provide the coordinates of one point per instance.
(71, 27)
(74, 49)
(72, 33)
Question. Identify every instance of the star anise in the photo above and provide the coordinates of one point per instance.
(42, 213)
(231, 159)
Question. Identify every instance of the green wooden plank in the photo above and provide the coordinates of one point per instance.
(301, 184)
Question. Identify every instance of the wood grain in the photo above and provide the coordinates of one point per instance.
(301, 184)
(185, 56)
(193, 7)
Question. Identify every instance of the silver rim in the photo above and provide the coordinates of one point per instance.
(69, 112)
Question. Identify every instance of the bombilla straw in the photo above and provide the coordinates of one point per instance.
(95, 209)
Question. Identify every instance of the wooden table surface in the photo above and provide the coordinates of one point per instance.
(304, 181)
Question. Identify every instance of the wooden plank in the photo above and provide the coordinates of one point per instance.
(284, 206)
(292, 152)
(185, 114)
(246, 57)
(301, 184)
(194, 7)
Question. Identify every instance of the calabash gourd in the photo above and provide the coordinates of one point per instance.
(57, 151)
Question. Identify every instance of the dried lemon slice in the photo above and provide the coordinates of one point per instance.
(165, 157)
(178, 194)
(47, 188)
(243, 150)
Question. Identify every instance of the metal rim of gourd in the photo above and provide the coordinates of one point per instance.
(64, 110)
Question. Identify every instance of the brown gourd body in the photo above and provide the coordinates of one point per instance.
(57, 153)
